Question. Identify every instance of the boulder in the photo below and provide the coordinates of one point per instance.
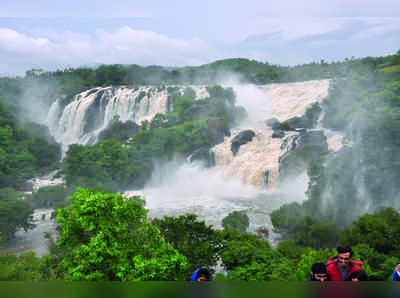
(278, 134)
(242, 138)
(296, 122)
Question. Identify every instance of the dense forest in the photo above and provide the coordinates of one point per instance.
(105, 236)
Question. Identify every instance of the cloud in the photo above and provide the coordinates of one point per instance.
(126, 45)
(15, 42)
(374, 27)
(292, 29)
(149, 47)
(26, 45)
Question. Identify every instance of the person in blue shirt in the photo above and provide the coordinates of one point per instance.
(396, 274)
(201, 274)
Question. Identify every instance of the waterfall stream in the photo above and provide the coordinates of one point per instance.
(235, 183)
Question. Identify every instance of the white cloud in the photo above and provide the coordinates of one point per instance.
(13, 41)
(378, 26)
(125, 46)
(288, 30)
(292, 29)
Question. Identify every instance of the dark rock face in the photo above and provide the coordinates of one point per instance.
(298, 150)
(242, 138)
(204, 155)
(266, 177)
(272, 122)
(278, 134)
(296, 122)
(27, 186)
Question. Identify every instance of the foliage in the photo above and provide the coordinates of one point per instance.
(22, 151)
(108, 237)
(49, 196)
(195, 240)
(14, 214)
(307, 260)
(191, 126)
(311, 115)
(238, 249)
(120, 131)
(103, 163)
(359, 178)
(19, 268)
(236, 220)
(246, 257)
(379, 231)
(305, 230)
(291, 251)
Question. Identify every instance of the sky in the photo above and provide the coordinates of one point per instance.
(59, 34)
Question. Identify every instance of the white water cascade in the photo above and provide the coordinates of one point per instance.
(35, 240)
(81, 120)
(281, 101)
(236, 183)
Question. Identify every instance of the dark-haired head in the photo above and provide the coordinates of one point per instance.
(203, 275)
(319, 272)
(342, 249)
(318, 268)
(358, 276)
(376, 278)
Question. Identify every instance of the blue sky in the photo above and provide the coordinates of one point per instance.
(47, 34)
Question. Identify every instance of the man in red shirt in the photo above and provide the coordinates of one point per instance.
(341, 266)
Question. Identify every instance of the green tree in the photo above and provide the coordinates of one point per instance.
(198, 242)
(379, 231)
(307, 260)
(108, 237)
(14, 214)
(246, 257)
(238, 220)
(49, 196)
(19, 268)
(239, 249)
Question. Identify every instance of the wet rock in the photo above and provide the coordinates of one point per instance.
(298, 150)
(278, 134)
(242, 138)
(204, 155)
(266, 177)
(296, 122)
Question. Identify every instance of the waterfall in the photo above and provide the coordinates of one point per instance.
(257, 162)
(35, 240)
(88, 113)
(281, 101)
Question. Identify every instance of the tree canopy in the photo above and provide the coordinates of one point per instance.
(108, 237)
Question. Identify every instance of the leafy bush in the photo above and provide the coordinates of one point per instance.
(108, 237)
(14, 214)
(238, 220)
(49, 196)
(192, 238)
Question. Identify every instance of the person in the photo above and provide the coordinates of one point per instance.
(396, 274)
(341, 266)
(358, 276)
(318, 272)
(376, 278)
(201, 274)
